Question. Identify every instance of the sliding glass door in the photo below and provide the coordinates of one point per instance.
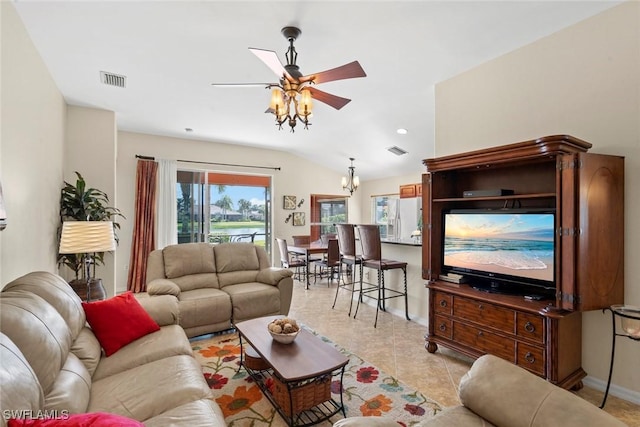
(216, 208)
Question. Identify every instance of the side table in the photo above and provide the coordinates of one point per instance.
(630, 325)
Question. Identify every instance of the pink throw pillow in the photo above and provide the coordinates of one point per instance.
(96, 419)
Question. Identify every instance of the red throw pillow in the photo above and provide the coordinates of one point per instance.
(118, 321)
(96, 419)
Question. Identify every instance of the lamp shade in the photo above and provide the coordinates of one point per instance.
(80, 237)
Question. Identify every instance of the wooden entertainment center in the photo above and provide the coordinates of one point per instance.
(587, 192)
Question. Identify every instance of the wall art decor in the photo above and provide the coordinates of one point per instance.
(298, 218)
(289, 202)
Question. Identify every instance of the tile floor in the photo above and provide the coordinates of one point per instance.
(397, 347)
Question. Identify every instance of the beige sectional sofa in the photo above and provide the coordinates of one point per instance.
(218, 284)
(497, 393)
(51, 362)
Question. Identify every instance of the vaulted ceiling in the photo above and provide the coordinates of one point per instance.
(171, 52)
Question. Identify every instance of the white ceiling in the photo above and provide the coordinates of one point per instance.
(171, 52)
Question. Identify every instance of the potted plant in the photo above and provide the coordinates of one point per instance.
(79, 203)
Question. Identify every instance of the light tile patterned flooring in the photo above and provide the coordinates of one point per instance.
(397, 347)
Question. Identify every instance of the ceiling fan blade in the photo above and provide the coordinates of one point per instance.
(347, 71)
(329, 99)
(242, 84)
(270, 59)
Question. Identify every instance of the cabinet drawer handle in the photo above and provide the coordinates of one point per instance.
(529, 328)
(480, 334)
(480, 306)
(443, 303)
(529, 357)
(443, 327)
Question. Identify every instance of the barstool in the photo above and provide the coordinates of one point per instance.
(372, 258)
(349, 258)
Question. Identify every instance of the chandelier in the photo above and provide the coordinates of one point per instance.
(350, 182)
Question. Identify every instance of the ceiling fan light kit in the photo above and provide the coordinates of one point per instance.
(291, 97)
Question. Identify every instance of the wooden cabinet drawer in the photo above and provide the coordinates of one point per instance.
(442, 327)
(531, 358)
(443, 303)
(484, 341)
(530, 326)
(496, 317)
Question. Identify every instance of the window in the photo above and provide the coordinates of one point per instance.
(327, 210)
(216, 207)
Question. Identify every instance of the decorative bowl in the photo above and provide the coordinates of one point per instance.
(283, 330)
(284, 338)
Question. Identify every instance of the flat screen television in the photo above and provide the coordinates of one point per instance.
(505, 251)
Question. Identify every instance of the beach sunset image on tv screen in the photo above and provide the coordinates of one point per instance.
(514, 244)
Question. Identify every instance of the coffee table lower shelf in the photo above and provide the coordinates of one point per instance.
(306, 394)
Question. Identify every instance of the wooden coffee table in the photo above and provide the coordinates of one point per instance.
(297, 378)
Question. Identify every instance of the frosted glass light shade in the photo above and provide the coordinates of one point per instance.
(305, 104)
(79, 237)
(277, 102)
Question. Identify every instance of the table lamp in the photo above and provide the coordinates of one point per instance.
(87, 238)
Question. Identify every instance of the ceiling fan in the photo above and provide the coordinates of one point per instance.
(285, 104)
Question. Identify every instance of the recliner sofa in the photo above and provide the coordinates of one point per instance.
(218, 284)
(52, 363)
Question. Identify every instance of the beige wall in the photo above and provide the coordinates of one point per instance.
(582, 81)
(31, 153)
(297, 177)
(90, 149)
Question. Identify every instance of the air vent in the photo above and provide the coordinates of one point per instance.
(112, 79)
(396, 150)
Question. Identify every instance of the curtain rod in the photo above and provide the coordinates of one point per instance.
(138, 156)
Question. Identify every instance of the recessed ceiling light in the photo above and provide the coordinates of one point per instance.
(402, 131)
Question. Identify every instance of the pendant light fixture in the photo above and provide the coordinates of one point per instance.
(351, 181)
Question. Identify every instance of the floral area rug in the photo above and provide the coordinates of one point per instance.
(367, 391)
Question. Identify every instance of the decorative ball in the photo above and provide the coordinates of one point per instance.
(284, 330)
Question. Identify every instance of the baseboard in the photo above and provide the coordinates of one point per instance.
(617, 391)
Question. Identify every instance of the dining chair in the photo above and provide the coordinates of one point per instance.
(331, 262)
(324, 238)
(287, 261)
(301, 240)
(372, 258)
(250, 237)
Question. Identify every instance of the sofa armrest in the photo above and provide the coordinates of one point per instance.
(163, 287)
(163, 309)
(273, 275)
(507, 395)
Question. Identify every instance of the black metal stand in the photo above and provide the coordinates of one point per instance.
(624, 312)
